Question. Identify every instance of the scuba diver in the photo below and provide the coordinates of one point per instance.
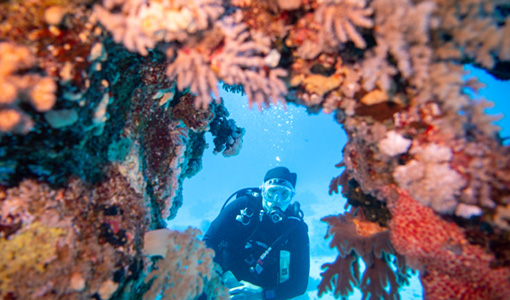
(261, 241)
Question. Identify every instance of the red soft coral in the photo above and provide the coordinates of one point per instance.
(451, 267)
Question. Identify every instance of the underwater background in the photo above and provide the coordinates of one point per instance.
(309, 144)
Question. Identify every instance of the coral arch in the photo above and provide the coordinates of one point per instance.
(105, 105)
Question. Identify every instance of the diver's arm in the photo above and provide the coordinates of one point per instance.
(216, 232)
(221, 228)
(299, 268)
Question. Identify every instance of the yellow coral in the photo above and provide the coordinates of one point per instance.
(9, 118)
(375, 97)
(366, 228)
(16, 86)
(18, 253)
(320, 85)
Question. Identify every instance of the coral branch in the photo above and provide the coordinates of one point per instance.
(340, 277)
(355, 237)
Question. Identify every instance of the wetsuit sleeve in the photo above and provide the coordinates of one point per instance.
(299, 268)
(220, 231)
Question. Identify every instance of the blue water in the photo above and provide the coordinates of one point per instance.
(496, 91)
(307, 145)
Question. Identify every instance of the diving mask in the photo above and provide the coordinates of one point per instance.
(277, 193)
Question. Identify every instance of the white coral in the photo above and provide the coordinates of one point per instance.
(399, 25)
(242, 61)
(430, 179)
(411, 172)
(446, 82)
(376, 70)
(394, 144)
(174, 20)
(193, 70)
(141, 24)
(432, 153)
(126, 27)
(467, 211)
(339, 18)
(432, 184)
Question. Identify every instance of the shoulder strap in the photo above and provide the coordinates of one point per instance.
(253, 192)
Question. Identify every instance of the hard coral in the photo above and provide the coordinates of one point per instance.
(165, 146)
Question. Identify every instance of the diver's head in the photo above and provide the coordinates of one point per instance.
(277, 191)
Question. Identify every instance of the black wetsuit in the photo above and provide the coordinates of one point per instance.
(239, 248)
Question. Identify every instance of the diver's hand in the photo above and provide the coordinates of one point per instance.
(246, 291)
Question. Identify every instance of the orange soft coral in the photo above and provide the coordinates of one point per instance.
(451, 267)
(356, 237)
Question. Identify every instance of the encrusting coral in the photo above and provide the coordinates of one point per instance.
(452, 268)
(18, 254)
(105, 105)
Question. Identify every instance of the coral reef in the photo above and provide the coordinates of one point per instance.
(96, 157)
(226, 51)
(70, 241)
(105, 105)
